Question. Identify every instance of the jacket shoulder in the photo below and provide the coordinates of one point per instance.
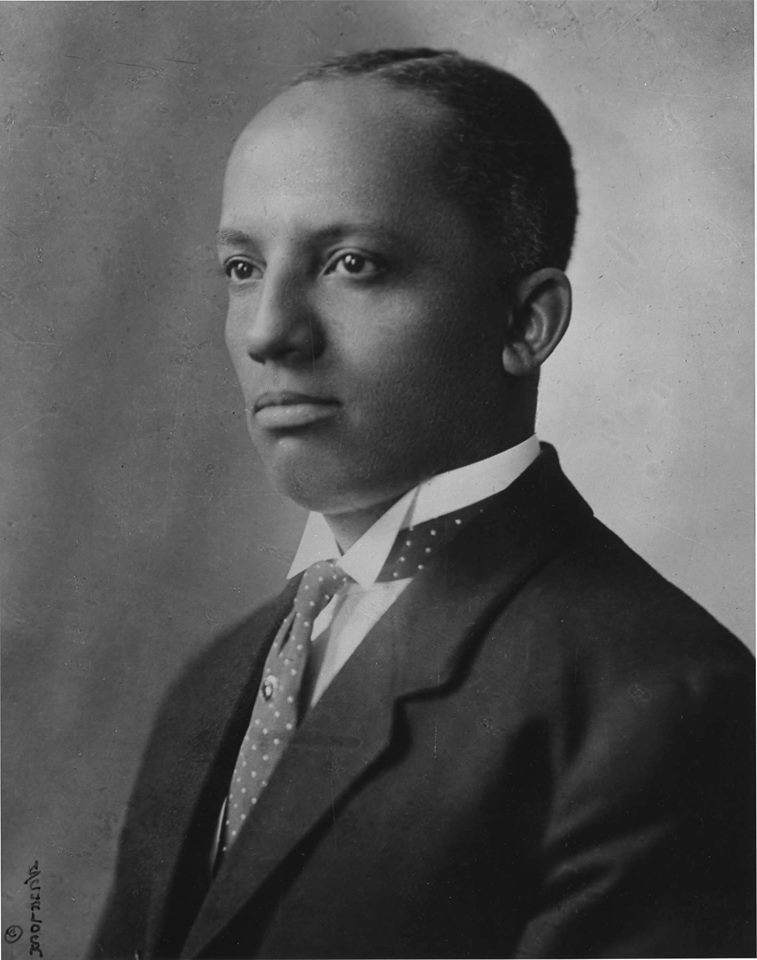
(613, 607)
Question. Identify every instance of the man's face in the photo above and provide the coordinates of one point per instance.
(364, 321)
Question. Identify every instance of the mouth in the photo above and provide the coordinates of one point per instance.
(283, 409)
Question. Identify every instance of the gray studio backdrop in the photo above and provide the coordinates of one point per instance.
(137, 521)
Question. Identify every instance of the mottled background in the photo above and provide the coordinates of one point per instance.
(136, 519)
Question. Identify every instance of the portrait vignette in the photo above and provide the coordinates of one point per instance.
(140, 523)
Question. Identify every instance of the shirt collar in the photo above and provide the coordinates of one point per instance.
(432, 498)
(365, 558)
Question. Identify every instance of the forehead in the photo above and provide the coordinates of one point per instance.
(344, 143)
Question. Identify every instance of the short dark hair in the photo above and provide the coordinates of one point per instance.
(507, 160)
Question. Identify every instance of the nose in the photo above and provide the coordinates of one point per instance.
(277, 321)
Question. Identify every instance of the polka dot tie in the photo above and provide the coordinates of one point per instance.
(414, 546)
(275, 713)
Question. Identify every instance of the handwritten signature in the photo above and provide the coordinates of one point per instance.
(35, 906)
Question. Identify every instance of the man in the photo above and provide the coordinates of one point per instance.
(477, 725)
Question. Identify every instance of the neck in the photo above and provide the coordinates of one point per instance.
(349, 527)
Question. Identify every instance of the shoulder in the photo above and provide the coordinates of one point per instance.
(584, 594)
(622, 663)
(615, 608)
(641, 710)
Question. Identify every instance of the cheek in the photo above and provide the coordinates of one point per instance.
(406, 377)
(231, 334)
(396, 330)
(235, 338)
(241, 369)
(433, 371)
(234, 328)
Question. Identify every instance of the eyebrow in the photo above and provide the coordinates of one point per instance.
(335, 231)
(232, 238)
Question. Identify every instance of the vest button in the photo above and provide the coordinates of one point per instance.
(269, 687)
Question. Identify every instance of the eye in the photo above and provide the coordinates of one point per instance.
(239, 270)
(354, 265)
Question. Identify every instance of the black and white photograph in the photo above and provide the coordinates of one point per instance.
(378, 479)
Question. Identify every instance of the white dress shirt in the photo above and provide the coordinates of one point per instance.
(343, 624)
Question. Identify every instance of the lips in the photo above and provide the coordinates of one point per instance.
(284, 409)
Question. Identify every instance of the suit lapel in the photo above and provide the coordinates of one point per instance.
(337, 741)
(197, 791)
(420, 644)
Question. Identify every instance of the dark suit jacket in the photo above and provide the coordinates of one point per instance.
(543, 749)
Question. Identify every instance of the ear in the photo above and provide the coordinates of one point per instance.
(539, 316)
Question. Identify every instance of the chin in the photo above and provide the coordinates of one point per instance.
(329, 487)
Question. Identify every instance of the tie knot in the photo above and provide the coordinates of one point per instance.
(318, 585)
